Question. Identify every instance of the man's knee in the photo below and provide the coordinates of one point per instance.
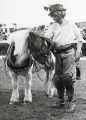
(67, 79)
(69, 85)
(58, 82)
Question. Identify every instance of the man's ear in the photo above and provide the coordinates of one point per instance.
(46, 8)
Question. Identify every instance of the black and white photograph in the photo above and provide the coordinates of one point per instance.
(42, 60)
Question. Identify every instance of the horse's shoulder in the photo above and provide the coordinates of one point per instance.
(20, 32)
(19, 35)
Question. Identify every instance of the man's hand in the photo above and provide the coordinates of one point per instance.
(78, 51)
(78, 55)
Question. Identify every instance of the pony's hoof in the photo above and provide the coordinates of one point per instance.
(27, 102)
(49, 95)
(13, 102)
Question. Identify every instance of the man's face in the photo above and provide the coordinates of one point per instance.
(57, 15)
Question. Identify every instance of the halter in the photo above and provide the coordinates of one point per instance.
(40, 55)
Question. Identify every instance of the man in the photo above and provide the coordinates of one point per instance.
(64, 35)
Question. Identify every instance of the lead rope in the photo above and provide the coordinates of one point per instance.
(37, 73)
(39, 77)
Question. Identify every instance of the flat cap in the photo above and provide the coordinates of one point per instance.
(55, 7)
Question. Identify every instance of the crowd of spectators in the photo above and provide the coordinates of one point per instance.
(83, 32)
(4, 35)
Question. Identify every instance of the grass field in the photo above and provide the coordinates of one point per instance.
(42, 107)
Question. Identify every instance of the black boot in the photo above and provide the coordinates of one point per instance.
(69, 85)
(70, 105)
(60, 103)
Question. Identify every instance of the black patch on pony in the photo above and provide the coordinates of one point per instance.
(40, 53)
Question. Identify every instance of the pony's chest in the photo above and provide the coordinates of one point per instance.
(19, 47)
(20, 43)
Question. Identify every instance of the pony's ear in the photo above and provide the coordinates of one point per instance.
(31, 35)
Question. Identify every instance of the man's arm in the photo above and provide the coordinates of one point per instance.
(47, 33)
(79, 40)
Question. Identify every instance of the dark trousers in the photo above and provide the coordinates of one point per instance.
(65, 74)
(78, 74)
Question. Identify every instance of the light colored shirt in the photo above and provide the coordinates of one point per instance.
(62, 34)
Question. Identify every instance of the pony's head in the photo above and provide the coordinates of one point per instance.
(38, 42)
(39, 47)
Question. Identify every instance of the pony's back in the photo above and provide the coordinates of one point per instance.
(19, 37)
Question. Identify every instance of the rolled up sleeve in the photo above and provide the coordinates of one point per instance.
(78, 36)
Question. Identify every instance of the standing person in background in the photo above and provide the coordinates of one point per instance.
(64, 35)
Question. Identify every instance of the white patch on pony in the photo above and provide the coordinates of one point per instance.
(28, 84)
(49, 84)
(19, 37)
(21, 50)
(15, 88)
(27, 87)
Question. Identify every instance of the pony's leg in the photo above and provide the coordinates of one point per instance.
(15, 90)
(49, 83)
(46, 85)
(50, 88)
(28, 83)
(53, 90)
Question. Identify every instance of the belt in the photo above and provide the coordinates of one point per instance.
(65, 48)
